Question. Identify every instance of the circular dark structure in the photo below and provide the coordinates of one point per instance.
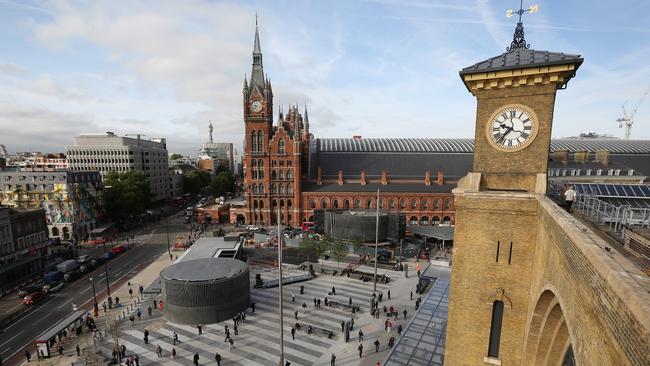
(356, 225)
(204, 291)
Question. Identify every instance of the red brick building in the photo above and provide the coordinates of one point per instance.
(287, 170)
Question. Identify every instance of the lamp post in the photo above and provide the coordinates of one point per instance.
(374, 288)
(94, 294)
(167, 229)
(280, 290)
(108, 287)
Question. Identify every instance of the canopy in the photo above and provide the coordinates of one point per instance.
(438, 232)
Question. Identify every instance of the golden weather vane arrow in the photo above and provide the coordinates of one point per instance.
(518, 40)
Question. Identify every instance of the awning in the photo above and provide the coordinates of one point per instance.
(60, 326)
(438, 232)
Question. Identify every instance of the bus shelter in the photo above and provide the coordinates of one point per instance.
(72, 324)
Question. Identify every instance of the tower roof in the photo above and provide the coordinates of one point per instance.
(257, 74)
(520, 58)
(256, 46)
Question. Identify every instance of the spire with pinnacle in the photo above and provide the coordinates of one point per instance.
(257, 76)
(518, 41)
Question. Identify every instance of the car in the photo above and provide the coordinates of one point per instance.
(33, 298)
(27, 290)
(84, 259)
(53, 287)
(252, 228)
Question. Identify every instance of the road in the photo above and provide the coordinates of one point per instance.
(55, 307)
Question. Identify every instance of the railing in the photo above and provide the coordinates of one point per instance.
(604, 213)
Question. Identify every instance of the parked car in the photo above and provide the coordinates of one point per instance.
(84, 259)
(33, 298)
(27, 290)
(118, 249)
(53, 287)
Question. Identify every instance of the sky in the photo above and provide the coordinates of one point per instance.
(375, 68)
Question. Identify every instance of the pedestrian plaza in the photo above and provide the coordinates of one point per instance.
(258, 339)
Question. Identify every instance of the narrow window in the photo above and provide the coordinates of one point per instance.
(510, 254)
(498, 246)
(495, 329)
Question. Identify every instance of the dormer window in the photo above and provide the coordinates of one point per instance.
(599, 171)
(588, 172)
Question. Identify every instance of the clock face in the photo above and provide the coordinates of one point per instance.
(256, 106)
(512, 128)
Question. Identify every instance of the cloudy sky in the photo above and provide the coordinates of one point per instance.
(376, 68)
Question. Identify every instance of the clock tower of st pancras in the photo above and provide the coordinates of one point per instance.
(496, 204)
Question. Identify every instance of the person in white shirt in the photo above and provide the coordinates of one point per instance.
(569, 197)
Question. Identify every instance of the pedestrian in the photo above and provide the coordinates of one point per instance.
(200, 328)
(137, 360)
(28, 355)
(158, 351)
(395, 318)
(230, 344)
(333, 290)
(326, 301)
(227, 335)
(351, 323)
(132, 319)
(391, 342)
(390, 326)
(333, 360)
(78, 351)
(173, 353)
(350, 301)
(360, 348)
(388, 294)
(141, 289)
(342, 325)
(139, 314)
(217, 358)
(146, 336)
(104, 306)
(60, 350)
(130, 293)
(149, 310)
(318, 303)
(293, 333)
(293, 297)
(154, 303)
(360, 335)
(236, 330)
(381, 296)
(385, 309)
(295, 314)
(123, 348)
(399, 330)
(171, 257)
(376, 345)
(569, 197)
(196, 359)
(315, 302)
(302, 289)
(411, 295)
(253, 307)
(176, 338)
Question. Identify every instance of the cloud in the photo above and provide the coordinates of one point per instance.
(12, 69)
(48, 87)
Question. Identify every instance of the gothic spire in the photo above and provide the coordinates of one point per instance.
(256, 46)
(257, 75)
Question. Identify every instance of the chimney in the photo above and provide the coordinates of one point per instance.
(602, 156)
(440, 179)
(319, 180)
(427, 178)
(384, 177)
(340, 182)
(580, 156)
(363, 177)
(560, 155)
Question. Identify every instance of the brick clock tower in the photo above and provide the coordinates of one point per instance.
(496, 204)
(272, 153)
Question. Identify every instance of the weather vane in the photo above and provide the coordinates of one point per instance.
(518, 40)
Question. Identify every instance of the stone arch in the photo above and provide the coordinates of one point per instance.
(312, 203)
(55, 231)
(548, 341)
(323, 203)
(346, 204)
(335, 203)
(369, 203)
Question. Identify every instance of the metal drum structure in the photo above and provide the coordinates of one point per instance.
(205, 291)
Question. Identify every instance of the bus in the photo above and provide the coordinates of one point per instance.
(307, 225)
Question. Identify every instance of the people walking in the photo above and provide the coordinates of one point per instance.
(137, 360)
(173, 353)
(149, 310)
(230, 344)
(333, 290)
(28, 355)
(217, 358)
(360, 348)
(293, 333)
(196, 359)
(405, 312)
(123, 349)
(253, 307)
(200, 328)
(360, 336)
(376, 345)
(295, 314)
(569, 197)
(78, 351)
(411, 295)
(388, 294)
(315, 303)
(146, 336)
(130, 293)
(293, 297)
(158, 351)
(333, 360)
(399, 330)
(176, 338)
(391, 341)
(342, 325)
(236, 329)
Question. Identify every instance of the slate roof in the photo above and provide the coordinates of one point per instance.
(373, 187)
(522, 58)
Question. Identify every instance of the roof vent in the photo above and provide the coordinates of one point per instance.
(357, 137)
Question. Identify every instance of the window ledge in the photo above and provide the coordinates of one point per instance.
(492, 361)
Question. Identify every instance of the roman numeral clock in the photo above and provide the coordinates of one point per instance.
(512, 128)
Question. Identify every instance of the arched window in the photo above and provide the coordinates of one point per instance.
(435, 220)
(261, 204)
(289, 175)
(289, 189)
(274, 189)
(289, 205)
(425, 204)
(357, 203)
(335, 203)
(436, 204)
(368, 203)
(312, 203)
(274, 203)
(55, 231)
(254, 163)
(281, 203)
(402, 203)
(413, 220)
(495, 329)
(255, 204)
(391, 203)
(260, 163)
(446, 220)
(323, 203)
(254, 188)
(414, 203)
(447, 203)
(346, 204)
(254, 174)
(381, 203)
(253, 142)
(260, 145)
(281, 175)
(260, 189)
(274, 175)
(281, 189)
(424, 220)
(281, 146)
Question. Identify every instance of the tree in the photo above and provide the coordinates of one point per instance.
(339, 251)
(126, 194)
(194, 181)
(323, 246)
(222, 183)
(175, 156)
(307, 246)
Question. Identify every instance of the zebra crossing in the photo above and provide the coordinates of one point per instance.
(257, 342)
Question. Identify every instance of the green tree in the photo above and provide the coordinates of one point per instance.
(307, 246)
(323, 246)
(126, 194)
(194, 181)
(222, 183)
(339, 251)
(175, 156)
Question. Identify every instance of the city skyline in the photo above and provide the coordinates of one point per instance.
(168, 70)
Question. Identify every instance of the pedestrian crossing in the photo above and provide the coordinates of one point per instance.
(257, 343)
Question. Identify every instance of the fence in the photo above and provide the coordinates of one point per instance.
(605, 213)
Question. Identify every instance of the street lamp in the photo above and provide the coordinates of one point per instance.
(376, 240)
(280, 291)
(94, 294)
(167, 229)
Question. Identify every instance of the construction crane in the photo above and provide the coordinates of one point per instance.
(628, 120)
